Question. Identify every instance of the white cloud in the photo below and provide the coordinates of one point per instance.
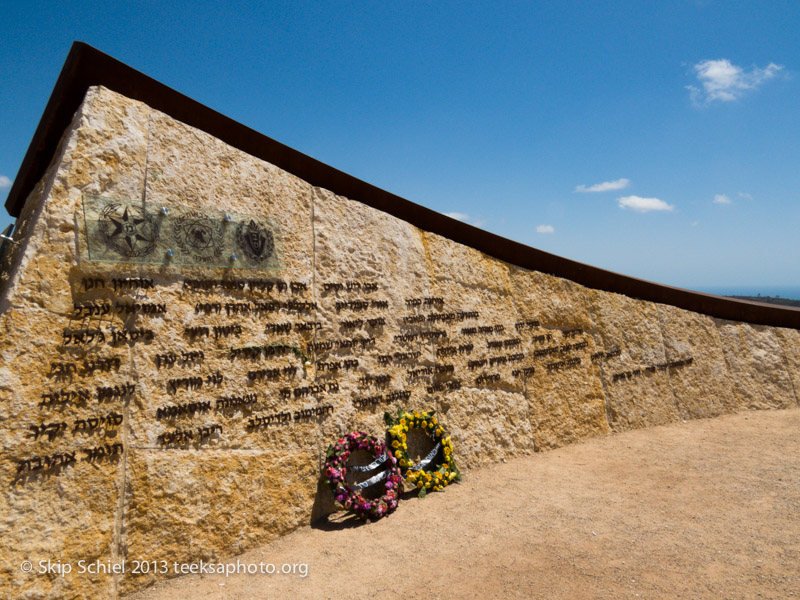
(721, 199)
(465, 218)
(606, 186)
(694, 223)
(745, 195)
(545, 229)
(724, 81)
(5, 182)
(643, 205)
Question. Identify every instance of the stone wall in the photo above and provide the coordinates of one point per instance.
(156, 412)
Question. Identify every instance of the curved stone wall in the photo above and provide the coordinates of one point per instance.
(175, 413)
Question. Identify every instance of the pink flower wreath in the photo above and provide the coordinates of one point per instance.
(349, 494)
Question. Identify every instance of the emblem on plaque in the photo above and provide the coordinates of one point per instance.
(255, 240)
(128, 229)
(198, 235)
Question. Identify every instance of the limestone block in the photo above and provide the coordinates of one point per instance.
(632, 327)
(755, 357)
(367, 264)
(790, 340)
(702, 389)
(567, 406)
(64, 514)
(486, 425)
(557, 303)
(188, 505)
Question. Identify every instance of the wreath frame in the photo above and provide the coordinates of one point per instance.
(433, 480)
(350, 497)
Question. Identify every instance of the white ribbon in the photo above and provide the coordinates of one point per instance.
(374, 479)
(371, 466)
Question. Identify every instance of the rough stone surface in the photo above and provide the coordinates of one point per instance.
(189, 446)
(754, 354)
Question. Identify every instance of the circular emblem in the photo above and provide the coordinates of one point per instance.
(255, 240)
(198, 235)
(128, 229)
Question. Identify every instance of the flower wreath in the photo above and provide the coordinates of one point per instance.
(349, 494)
(420, 475)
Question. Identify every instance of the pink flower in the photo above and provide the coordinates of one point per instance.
(389, 485)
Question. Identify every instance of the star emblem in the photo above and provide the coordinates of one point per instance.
(130, 229)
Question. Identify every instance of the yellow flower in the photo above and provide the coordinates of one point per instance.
(424, 424)
(398, 454)
(438, 432)
(419, 483)
(402, 462)
(416, 415)
(433, 420)
(395, 444)
(447, 451)
(405, 446)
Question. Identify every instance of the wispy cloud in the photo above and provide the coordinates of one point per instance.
(5, 182)
(744, 195)
(545, 229)
(643, 205)
(465, 218)
(606, 186)
(724, 81)
(721, 199)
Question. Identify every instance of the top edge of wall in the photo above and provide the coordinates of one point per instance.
(86, 67)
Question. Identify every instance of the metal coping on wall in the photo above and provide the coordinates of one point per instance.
(86, 66)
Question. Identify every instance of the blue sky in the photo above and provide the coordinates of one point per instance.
(660, 140)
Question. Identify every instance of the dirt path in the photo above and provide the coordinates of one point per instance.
(703, 509)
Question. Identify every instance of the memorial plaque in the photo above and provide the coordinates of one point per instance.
(129, 231)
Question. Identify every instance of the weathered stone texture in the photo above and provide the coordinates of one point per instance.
(190, 505)
(755, 358)
(632, 328)
(702, 389)
(790, 340)
(189, 444)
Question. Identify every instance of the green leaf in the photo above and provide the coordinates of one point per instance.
(423, 492)
(387, 418)
(431, 413)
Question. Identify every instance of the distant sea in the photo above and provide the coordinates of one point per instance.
(781, 291)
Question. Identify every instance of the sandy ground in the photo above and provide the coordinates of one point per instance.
(702, 509)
